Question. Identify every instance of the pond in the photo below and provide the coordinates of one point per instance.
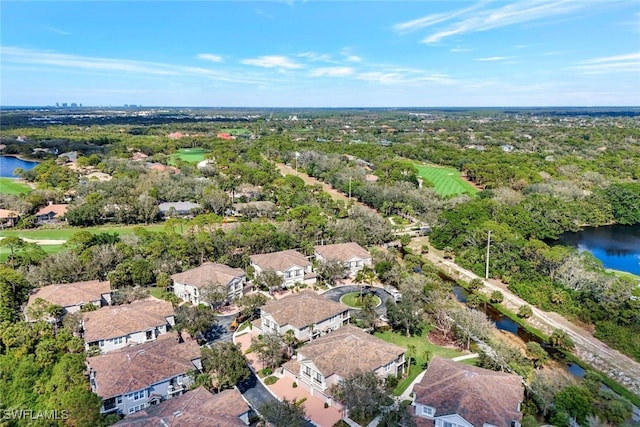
(617, 246)
(9, 164)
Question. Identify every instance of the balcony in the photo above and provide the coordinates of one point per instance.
(175, 388)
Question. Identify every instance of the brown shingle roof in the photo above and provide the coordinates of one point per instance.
(134, 368)
(195, 408)
(59, 210)
(120, 320)
(280, 261)
(208, 273)
(478, 395)
(71, 294)
(343, 251)
(303, 309)
(347, 350)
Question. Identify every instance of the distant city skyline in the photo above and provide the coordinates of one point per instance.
(321, 53)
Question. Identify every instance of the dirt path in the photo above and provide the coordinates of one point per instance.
(612, 363)
(41, 241)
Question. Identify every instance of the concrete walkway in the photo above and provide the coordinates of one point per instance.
(465, 357)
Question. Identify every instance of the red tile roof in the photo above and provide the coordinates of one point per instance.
(58, 209)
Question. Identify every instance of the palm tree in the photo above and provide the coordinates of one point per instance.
(290, 339)
(366, 275)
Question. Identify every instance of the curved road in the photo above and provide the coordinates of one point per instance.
(336, 293)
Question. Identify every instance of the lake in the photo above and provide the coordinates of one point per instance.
(9, 164)
(617, 246)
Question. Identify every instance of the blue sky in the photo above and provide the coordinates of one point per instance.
(321, 53)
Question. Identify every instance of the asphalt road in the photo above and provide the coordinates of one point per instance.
(336, 293)
(219, 331)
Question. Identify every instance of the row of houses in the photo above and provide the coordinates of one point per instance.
(50, 214)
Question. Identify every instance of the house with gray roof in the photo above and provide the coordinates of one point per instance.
(168, 209)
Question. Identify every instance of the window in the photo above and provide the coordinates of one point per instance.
(117, 341)
(136, 408)
(101, 343)
(119, 400)
(137, 395)
(307, 371)
(287, 274)
(298, 273)
(428, 411)
(318, 378)
(387, 367)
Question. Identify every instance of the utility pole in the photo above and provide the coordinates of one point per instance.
(486, 271)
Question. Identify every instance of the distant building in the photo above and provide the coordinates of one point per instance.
(72, 296)
(52, 213)
(177, 208)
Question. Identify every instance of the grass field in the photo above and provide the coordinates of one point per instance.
(422, 345)
(12, 186)
(50, 249)
(352, 299)
(446, 181)
(66, 233)
(236, 131)
(191, 155)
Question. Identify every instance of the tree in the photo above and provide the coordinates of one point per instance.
(195, 320)
(544, 386)
(269, 347)
(249, 304)
(13, 293)
(407, 315)
(290, 339)
(475, 285)
(362, 394)
(214, 294)
(225, 364)
(268, 280)
(329, 271)
(283, 413)
(365, 276)
(525, 311)
(471, 324)
(576, 401)
(397, 417)
(536, 353)
(13, 243)
(497, 297)
(367, 314)
(560, 339)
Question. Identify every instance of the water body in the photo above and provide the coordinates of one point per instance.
(617, 246)
(9, 164)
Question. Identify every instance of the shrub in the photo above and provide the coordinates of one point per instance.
(294, 385)
(497, 297)
(525, 311)
(326, 405)
(270, 380)
(266, 371)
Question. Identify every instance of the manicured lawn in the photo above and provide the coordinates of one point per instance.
(446, 181)
(157, 292)
(67, 232)
(422, 345)
(13, 186)
(352, 299)
(50, 249)
(236, 131)
(191, 155)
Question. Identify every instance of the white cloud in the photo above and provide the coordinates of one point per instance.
(58, 31)
(272, 61)
(16, 55)
(348, 56)
(315, 57)
(210, 57)
(400, 78)
(628, 63)
(494, 58)
(332, 72)
(509, 14)
(459, 49)
(429, 20)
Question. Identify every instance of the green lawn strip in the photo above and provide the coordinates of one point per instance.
(67, 232)
(620, 273)
(50, 249)
(191, 155)
(13, 186)
(422, 345)
(352, 299)
(446, 181)
(157, 292)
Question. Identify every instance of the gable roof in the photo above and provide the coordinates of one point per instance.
(57, 209)
(120, 320)
(7, 213)
(70, 294)
(478, 395)
(195, 408)
(178, 206)
(280, 261)
(134, 368)
(347, 350)
(208, 273)
(302, 309)
(342, 251)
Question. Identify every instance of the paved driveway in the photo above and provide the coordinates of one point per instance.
(336, 293)
(219, 331)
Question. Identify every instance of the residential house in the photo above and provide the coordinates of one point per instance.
(177, 208)
(352, 255)
(8, 218)
(291, 265)
(195, 408)
(111, 328)
(188, 285)
(51, 214)
(322, 363)
(130, 379)
(72, 296)
(253, 209)
(453, 394)
(308, 314)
